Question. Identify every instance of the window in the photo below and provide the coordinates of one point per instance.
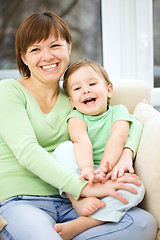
(83, 17)
(156, 35)
(127, 28)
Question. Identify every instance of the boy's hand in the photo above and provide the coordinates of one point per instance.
(87, 173)
(102, 171)
(124, 164)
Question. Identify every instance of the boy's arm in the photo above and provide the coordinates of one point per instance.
(82, 147)
(131, 146)
(115, 144)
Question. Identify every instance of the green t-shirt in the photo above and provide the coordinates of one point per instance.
(99, 129)
(28, 137)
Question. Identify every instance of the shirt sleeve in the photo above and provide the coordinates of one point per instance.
(75, 113)
(134, 135)
(18, 133)
(120, 112)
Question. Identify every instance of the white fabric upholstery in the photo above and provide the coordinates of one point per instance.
(135, 95)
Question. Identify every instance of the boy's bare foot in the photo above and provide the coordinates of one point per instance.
(69, 230)
(64, 231)
(87, 206)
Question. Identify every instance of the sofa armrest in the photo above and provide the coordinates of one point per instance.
(147, 164)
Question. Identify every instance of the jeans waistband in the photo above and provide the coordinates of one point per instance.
(29, 197)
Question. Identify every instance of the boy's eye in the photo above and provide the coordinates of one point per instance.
(92, 84)
(77, 88)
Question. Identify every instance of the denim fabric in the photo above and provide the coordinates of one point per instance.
(32, 218)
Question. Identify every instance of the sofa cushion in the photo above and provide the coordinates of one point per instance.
(147, 164)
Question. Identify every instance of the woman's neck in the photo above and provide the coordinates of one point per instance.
(45, 94)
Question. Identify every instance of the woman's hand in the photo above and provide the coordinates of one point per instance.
(110, 188)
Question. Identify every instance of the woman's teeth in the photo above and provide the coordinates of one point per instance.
(49, 66)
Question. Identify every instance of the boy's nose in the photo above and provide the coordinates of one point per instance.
(86, 90)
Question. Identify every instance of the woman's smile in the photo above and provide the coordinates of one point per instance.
(49, 67)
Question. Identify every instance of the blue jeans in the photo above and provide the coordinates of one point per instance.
(33, 217)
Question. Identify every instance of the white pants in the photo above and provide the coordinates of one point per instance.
(114, 209)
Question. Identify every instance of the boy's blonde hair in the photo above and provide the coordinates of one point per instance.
(81, 63)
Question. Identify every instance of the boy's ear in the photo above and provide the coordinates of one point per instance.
(71, 102)
(109, 90)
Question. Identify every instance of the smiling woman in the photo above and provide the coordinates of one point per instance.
(83, 17)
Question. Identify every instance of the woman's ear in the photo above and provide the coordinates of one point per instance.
(109, 90)
(23, 59)
(69, 48)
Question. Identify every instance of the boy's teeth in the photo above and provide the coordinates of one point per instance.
(49, 66)
(89, 100)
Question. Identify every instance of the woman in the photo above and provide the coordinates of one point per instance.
(33, 111)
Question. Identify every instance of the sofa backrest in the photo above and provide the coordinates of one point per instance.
(129, 92)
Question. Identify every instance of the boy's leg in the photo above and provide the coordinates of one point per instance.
(68, 230)
(64, 153)
(136, 224)
(115, 209)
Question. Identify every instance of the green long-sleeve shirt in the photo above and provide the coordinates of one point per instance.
(27, 139)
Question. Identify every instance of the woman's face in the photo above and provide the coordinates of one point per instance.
(48, 59)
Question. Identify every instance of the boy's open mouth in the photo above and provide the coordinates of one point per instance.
(89, 100)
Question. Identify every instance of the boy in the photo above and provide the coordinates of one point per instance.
(99, 134)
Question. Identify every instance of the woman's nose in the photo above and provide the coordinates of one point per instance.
(47, 55)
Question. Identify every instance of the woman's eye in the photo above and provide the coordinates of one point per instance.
(34, 49)
(55, 45)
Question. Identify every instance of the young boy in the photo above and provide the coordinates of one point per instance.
(99, 134)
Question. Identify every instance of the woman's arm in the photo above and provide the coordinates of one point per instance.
(134, 136)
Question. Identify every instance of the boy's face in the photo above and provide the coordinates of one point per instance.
(88, 91)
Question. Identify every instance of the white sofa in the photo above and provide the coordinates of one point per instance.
(135, 95)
